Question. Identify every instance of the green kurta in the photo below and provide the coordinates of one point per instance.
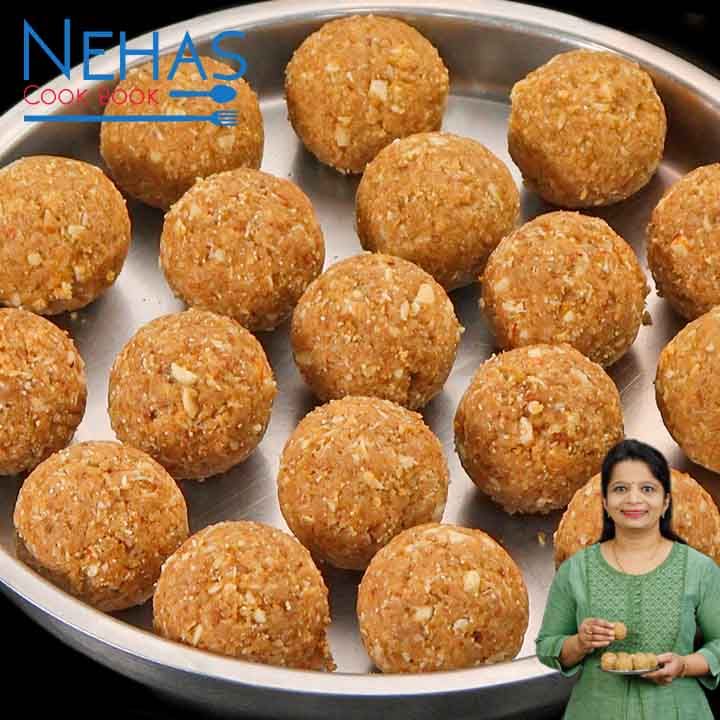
(662, 609)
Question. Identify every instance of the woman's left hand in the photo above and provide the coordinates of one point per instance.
(672, 666)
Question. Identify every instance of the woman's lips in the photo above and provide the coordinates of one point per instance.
(633, 513)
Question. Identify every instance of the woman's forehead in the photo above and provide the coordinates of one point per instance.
(632, 471)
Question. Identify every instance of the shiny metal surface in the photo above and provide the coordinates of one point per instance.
(487, 47)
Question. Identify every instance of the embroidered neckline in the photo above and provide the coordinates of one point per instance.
(648, 574)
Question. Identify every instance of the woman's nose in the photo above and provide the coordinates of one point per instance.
(635, 495)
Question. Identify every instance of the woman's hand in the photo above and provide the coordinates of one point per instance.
(595, 633)
(672, 666)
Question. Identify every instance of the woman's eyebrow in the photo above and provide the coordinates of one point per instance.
(634, 482)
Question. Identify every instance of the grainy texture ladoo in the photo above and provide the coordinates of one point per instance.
(624, 661)
(442, 597)
(535, 424)
(440, 200)
(249, 591)
(620, 630)
(683, 249)
(194, 390)
(695, 518)
(99, 519)
(687, 389)
(644, 661)
(355, 473)
(156, 162)
(375, 325)
(586, 129)
(608, 661)
(359, 83)
(565, 278)
(42, 390)
(242, 243)
(65, 234)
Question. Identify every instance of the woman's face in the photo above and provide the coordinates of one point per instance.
(635, 497)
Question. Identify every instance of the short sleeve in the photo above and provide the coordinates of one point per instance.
(559, 621)
(708, 619)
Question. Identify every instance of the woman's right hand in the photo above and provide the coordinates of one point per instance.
(595, 633)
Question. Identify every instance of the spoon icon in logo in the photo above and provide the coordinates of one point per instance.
(220, 93)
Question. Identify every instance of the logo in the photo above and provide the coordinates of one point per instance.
(186, 54)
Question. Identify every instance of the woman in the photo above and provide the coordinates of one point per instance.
(640, 574)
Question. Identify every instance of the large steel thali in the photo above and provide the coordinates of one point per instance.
(487, 47)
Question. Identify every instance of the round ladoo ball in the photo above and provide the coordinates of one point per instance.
(624, 662)
(355, 473)
(565, 277)
(442, 597)
(683, 249)
(439, 200)
(535, 424)
(695, 518)
(99, 519)
(42, 390)
(375, 325)
(608, 661)
(156, 162)
(65, 234)
(620, 630)
(687, 391)
(194, 390)
(360, 82)
(586, 129)
(644, 661)
(249, 591)
(242, 243)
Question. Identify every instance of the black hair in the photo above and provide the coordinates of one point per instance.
(657, 464)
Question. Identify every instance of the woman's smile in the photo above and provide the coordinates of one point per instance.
(634, 514)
